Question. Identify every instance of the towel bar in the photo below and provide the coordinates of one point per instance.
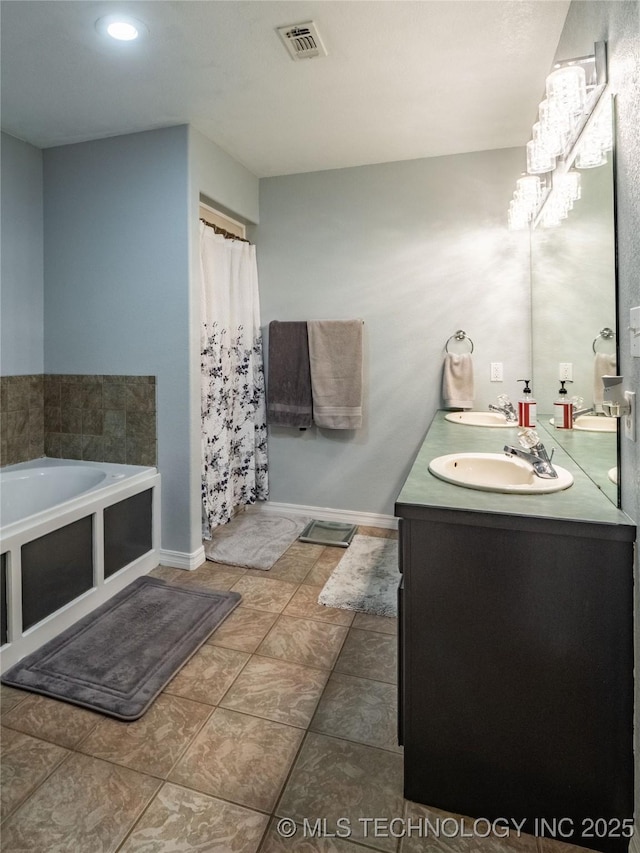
(460, 335)
(606, 334)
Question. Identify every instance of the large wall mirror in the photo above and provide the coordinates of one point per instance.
(573, 276)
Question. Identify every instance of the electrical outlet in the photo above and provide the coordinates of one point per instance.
(496, 371)
(565, 371)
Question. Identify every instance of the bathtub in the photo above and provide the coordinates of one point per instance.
(72, 534)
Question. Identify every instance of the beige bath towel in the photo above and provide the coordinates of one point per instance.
(604, 364)
(457, 381)
(335, 357)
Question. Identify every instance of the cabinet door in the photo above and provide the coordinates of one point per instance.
(400, 661)
(518, 679)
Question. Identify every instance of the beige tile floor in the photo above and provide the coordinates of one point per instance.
(288, 711)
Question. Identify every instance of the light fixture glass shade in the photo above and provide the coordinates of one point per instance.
(572, 184)
(567, 88)
(590, 155)
(528, 192)
(556, 209)
(603, 126)
(517, 217)
(553, 129)
(539, 160)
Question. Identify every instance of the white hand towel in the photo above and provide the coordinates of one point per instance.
(604, 364)
(335, 358)
(457, 381)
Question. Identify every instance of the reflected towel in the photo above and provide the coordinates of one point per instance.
(457, 381)
(604, 364)
(289, 378)
(335, 355)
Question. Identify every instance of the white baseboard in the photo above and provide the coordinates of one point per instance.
(182, 559)
(366, 519)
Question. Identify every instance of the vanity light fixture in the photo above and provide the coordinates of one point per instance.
(574, 129)
(121, 27)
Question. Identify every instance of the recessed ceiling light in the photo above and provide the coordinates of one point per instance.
(121, 28)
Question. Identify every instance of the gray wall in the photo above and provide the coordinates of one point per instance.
(21, 295)
(417, 249)
(231, 188)
(116, 252)
(619, 25)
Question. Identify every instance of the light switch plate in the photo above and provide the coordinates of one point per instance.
(634, 331)
(630, 419)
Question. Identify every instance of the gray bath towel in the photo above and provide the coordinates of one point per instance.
(289, 381)
(335, 355)
(457, 381)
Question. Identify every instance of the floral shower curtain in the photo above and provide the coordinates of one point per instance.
(234, 429)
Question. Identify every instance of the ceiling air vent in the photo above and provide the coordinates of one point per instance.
(302, 40)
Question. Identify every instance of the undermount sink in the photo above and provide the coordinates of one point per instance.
(496, 472)
(593, 423)
(485, 419)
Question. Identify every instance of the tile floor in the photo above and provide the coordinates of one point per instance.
(288, 711)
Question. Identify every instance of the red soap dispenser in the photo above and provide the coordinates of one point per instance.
(526, 407)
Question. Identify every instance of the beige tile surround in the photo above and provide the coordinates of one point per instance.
(288, 711)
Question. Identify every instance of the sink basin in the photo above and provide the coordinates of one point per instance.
(485, 419)
(592, 423)
(612, 473)
(496, 472)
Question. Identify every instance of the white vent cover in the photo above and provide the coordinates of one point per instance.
(302, 40)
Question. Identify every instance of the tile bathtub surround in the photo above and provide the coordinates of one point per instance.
(21, 418)
(257, 726)
(77, 416)
(100, 418)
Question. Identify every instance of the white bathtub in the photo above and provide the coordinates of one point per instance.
(67, 532)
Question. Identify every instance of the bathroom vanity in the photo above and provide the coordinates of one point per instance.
(515, 649)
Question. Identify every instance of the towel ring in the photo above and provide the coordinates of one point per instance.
(460, 335)
(606, 334)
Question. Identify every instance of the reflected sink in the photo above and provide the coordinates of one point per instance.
(612, 473)
(485, 419)
(593, 423)
(496, 472)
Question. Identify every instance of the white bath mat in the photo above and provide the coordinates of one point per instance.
(366, 578)
(254, 540)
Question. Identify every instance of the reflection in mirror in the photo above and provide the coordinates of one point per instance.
(573, 300)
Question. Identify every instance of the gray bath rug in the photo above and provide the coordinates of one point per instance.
(117, 659)
(366, 578)
(254, 540)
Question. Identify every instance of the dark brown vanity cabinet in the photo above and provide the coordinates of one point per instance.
(516, 670)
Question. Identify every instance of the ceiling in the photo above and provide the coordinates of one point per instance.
(403, 79)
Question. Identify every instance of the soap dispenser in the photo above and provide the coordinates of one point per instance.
(526, 406)
(563, 409)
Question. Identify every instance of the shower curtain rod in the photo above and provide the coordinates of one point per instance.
(223, 233)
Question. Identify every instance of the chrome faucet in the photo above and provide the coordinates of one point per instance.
(505, 408)
(534, 452)
(578, 412)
